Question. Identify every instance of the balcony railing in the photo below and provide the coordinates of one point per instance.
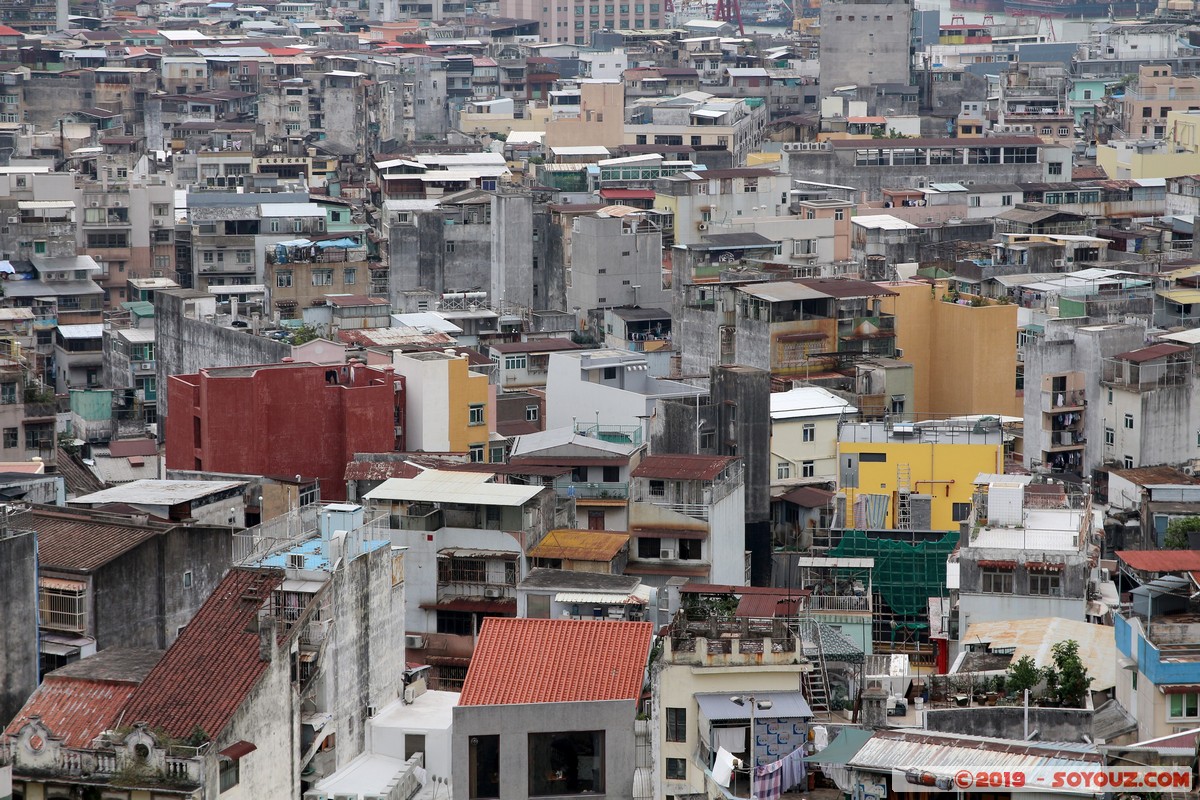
(825, 602)
(615, 491)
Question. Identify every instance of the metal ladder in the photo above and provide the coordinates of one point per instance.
(903, 497)
(815, 683)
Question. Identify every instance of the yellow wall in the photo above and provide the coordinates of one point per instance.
(465, 389)
(602, 121)
(964, 358)
(953, 466)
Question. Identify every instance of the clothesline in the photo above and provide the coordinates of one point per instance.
(772, 780)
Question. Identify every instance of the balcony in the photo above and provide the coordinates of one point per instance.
(418, 518)
(1147, 376)
(824, 602)
(592, 490)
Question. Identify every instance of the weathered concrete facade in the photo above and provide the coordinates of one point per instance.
(18, 634)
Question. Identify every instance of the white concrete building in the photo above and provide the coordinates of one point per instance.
(804, 434)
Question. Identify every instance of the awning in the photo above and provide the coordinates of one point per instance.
(462, 552)
(843, 748)
(237, 750)
(668, 533)
(62, 584)
(996, 564)
(479, 605)
(599, 598)
(784, 705)
(1044, 566)
(58, 649)
(316, 721)
(808, 336)
(1180, 688)
(345, 242)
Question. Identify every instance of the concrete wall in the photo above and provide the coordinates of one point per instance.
(139, 599)
(514, 723)
(512, 250)
(1073, 347)
(865, 43)
(18, 633)
(607, 262)
(1000, 722)
(184, 345)
(963, 357)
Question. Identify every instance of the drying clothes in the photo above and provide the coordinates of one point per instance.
(772, 780)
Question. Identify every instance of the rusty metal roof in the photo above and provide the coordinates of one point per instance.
(580, 545)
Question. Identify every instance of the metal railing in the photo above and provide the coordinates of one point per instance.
(616, 491)
(825, 602)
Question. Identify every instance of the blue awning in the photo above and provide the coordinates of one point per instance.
(345, 242)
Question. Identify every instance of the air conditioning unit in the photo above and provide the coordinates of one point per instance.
(147, 365)
(666, 554)
(492, 593)
(295, 561)
(94, 204)
(14, 220)
(414, 642)
(1061, 263)
(157, 223)
(701, 226)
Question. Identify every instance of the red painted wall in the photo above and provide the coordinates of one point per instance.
(284, 419)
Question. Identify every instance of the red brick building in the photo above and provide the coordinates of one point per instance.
(284, 419)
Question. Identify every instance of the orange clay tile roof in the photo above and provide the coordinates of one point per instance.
(74, 709)
(556, 661)
(214, 664)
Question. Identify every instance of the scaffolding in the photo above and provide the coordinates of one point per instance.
(906, 574)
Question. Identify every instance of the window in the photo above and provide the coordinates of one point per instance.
(1110, 396)
(449, 247)
(676, 724)
(1129, 421)
(658, 488)
(38, 436)
(10, 438)
(476, 453)
(1054, 168)
(808, 469)
(476, 414)
(839, 214)
(1045, 583)
(810, 432)
(298, 225)
(960, 512)
(283, 279)
(230, 774)
(783, 471)
(484, 767)
(350, 276)
(1006, 200)
(610, 373)
(322, 277)
(1128, 461)
(649, 547)
(244, 257)
(532, 413)
(515, 362)
(1110, 437)
(187, 579)
(997, 581)
(8, 393)
(570, 762)
(677, 769)
(1184, 706)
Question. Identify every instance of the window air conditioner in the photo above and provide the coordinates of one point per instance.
(667, 554)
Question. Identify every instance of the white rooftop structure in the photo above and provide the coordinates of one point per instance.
(808, 401)
(882, 222)
(154, 492)
(291, 210)
(441, 486)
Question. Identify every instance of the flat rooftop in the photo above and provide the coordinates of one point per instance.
(1044, 529)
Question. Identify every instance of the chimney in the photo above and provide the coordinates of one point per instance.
(874, 706)
(266, 636)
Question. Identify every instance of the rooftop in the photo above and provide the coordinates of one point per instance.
(808, 401)
(683, 467)
(213, 665)
(441, 486)
(580, 545)
(542, 578)
(78, 542)
(536, 346)
(1042, 529)
(1160, 560)
(557, 661)
(1036, 637)
(155, 492)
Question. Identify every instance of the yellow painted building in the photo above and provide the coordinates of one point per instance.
(939, 460)
(1178, 154)
(964, 357)
(447, 406)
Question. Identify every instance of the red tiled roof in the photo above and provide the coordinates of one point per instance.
(214, 664)
(682, 467)
(7, 31)
(78, 710)
(1161, 560)
(77, 542)
(556, 661)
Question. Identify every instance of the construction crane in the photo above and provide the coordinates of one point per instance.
(730, 11)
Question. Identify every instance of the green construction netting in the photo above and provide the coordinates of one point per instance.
(905, 575)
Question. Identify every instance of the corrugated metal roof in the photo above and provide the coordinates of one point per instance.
(580, 545)
(784, 705)
(81, 544)
(682, 467)
(1160, 560)
(156, 492)
(556, 661)
(888, 750)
